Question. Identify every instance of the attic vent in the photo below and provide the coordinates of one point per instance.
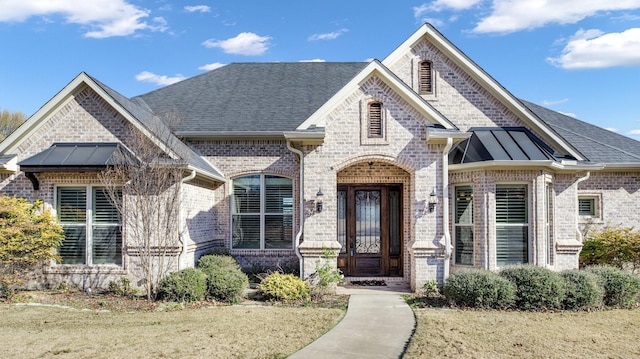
(426, 78)
(375, 120)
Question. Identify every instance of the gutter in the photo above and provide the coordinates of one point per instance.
(578, 181)
(296, 243)
(191, 176)
(445, 208)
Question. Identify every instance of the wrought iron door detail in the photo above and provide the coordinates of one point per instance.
(367, 206)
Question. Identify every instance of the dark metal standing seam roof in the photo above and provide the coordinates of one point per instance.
(72, 155)
(253, 97)
(500, 144)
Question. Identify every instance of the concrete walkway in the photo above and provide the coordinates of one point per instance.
(378, 324)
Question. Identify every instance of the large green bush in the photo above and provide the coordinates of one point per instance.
(479, 288)
(225, 279)
(28, 238)
(621, 289)
(582, 290)
(613, 246)
(187, 285)
(536, 287)
(278, 286)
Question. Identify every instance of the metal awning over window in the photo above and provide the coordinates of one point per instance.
(73, 157)
(501, 144)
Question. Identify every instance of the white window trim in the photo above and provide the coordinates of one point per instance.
(455, 225)
(89, 226)
(263, 213)
(528, 224)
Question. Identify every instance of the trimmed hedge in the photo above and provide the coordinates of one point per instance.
(536, 287)
(478, 288)
(278, 286)
(225, 279)
(621, 289)
(582, 290)
(187, 285)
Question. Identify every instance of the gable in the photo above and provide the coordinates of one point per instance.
(464, 92)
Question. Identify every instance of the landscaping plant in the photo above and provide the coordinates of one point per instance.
(29, 236)
(278, 286)
(582, 290)
(478, 288)
(187, 285)
(225, 279)
(536, 287)
(618, 247)
(621, 289)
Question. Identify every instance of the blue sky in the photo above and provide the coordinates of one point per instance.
(577, 57)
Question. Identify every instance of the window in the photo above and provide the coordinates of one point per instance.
(512, 225)
(425, 75)
(587, 207)
(375, 120)
(549, 223)
(92, 226)
(463, 225)
(262, 215)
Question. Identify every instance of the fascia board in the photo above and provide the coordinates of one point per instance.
(207, 175)
(230, 134)
(485, 80)
(526, 165)
(374, 68)
(11, 166)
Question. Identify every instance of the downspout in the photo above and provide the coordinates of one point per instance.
(445, 208)
(183, 223)
(578, 181)
(301, 195)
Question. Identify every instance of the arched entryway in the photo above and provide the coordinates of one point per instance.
(372, 215)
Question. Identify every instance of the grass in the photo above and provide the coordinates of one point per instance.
(242, 331)
(445, 333)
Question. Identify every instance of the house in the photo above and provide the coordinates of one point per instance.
(409, 168)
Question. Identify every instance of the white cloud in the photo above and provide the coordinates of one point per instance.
(611, 129)
(327, 36)
(209, 67)
(635, 132)
(570, 114)
(514, 15)
(313, 60)
(163, 80)
(246, 43)
(440, 5)
(554, 102)
(589, 49)
(104, 18)
(198, 8)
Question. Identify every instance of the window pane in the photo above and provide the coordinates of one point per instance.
(73, 247)
(511, 204)
(511, 245)
(246, 194)
(464, 245)
(587, 207)
(394, 221)
(103, 209)
(342, 220)
(278, 194)
(107, 245)
(278, 232)
(72, 204)
(246, 231)
(464, 205)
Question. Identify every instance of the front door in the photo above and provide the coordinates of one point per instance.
(369, 228)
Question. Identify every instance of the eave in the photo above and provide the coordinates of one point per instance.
(559, 167)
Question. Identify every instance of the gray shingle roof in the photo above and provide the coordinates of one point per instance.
(252, 96)
(160, 129)
(595, 143)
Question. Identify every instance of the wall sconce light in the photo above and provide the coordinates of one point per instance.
(319, 200)
(433, 200)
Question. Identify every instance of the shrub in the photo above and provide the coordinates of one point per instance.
(187, 285)
(28, 236)
(621, 289)
(536, 287)
(279, 286)
(618, 247)
(225, 279)
(479, 289)
(326, 276)
(582, 290)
